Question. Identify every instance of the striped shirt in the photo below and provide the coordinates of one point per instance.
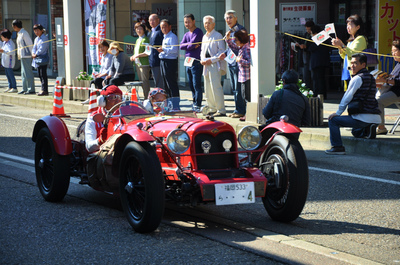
(245, 60)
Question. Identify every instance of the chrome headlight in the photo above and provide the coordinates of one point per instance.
(178, 141)
(249, 138)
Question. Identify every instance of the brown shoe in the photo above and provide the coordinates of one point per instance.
(219, 114)
(236, 115)
(242, 118)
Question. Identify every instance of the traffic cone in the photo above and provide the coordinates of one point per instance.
(58, 108)
(133, 94)
(92, 101)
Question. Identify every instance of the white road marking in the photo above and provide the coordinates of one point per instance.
(29, 119)
(17, 117)
(355, 175)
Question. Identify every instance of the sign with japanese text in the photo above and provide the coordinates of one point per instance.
(95, 21)
(292, 15)
(389, 30)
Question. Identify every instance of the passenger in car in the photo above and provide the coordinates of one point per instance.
(155, 95)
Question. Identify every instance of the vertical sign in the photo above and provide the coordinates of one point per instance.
(95, 21)
(293, 14)
(389, 30)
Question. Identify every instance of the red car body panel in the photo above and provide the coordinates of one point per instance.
(58, 131)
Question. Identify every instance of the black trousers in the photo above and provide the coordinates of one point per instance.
(169, 72)
(120, 80)
(42, 71)
(98, 82)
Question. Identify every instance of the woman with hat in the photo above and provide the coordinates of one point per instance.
(40, 55)
(121, 69)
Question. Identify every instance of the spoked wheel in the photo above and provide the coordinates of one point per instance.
(284, 163)
(52, 169)
(141, 187)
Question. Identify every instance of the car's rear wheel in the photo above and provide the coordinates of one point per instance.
(284, 163)
(52, 169)
(141, 187)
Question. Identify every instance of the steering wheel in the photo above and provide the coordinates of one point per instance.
(117, 106)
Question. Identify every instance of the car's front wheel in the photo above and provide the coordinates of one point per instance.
(52, 169)
(141, 187)
(284, 163)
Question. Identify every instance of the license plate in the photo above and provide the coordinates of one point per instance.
(234, 193)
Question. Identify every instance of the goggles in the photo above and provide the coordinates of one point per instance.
(156, 91)
(112, 97)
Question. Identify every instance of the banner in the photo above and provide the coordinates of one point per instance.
(388, 30)
(95, 28)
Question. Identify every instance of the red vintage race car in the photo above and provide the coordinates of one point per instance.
(176, 156)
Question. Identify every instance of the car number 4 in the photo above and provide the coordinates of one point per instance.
(234, 193)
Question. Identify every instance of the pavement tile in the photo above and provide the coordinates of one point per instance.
(313, 137)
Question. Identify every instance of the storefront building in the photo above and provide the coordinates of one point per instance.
(117, 17)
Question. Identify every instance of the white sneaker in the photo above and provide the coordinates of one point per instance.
(14, 90)
(8, 89)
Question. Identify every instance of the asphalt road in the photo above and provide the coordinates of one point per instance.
(351, 216)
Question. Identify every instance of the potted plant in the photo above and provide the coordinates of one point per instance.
(82, 80)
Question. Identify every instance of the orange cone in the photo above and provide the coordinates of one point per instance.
(92, 101)
(134, 94)
(58, 108)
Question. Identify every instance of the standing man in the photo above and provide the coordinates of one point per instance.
(24, 45)
(169, 62)
(211, 48)
(362, 88)
(156, 38)
(191, 43)
(240, 105)
(306, 54)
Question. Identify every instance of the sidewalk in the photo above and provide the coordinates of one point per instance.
(312, 137)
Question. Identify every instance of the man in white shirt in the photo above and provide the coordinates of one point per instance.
(212, 47)
(24, 44)
(362, 87)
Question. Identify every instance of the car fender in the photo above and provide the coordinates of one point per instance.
(59, 132)
(138, 135)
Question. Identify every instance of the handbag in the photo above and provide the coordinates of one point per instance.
(42, 59)
(357, 106)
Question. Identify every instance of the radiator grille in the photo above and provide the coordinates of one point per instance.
(211, 161)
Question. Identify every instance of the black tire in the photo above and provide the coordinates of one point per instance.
(284, 163)
(52, 169)
(141, 186)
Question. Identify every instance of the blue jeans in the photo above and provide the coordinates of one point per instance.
(194, 74)
(12, 83)
(343, 121)
(240, 105)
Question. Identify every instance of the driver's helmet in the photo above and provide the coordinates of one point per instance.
(155, 91)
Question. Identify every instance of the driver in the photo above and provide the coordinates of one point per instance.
(95, 133)
(155, 95)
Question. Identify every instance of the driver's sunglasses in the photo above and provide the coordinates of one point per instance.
(112, 97)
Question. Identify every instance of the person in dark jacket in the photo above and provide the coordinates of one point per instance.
(319, 61)
(156, 38)
(288, 101)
